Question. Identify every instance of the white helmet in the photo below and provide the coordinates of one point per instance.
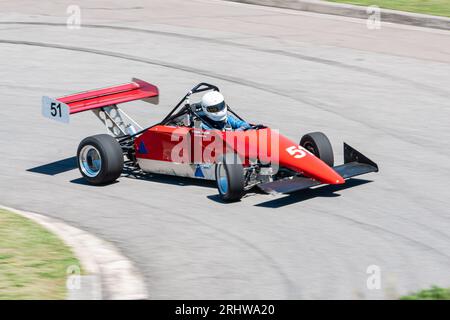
(214, 106)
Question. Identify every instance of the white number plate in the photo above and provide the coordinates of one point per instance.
(55, 110)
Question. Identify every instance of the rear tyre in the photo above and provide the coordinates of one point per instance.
(100, 159)
(318, 144)
(230, 177)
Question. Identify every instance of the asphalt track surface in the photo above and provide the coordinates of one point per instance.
(385, 92)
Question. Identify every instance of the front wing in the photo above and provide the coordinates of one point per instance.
(355, 164)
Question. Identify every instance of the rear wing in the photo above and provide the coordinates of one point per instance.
(60, 108)
(103, 102)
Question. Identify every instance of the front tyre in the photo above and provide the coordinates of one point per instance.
(230, 177)
(100, 159)
(318, 144)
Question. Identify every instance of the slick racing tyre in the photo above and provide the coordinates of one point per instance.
(100, 159)
(230, 177)
(318, 144)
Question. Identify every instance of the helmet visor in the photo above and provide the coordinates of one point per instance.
(216, 107)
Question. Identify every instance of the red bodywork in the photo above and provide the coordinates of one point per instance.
(159, 143)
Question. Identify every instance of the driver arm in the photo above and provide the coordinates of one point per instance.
(236, 123)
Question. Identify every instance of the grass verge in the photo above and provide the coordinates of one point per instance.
(434, 7)
(434, 293)
(33, 261)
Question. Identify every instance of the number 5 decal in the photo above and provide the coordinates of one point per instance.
(297, 152)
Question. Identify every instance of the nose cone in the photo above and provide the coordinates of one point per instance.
(340, 180)
(300, 160)
(319, 170)
(333, 177)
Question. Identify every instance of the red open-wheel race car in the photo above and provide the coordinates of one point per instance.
(237, 160)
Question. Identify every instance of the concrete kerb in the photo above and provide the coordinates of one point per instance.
(353, 11)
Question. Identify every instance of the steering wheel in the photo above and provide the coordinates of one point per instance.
(255, 127)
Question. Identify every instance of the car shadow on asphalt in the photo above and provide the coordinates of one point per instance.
(158, 178)
(56, 167)
(84, 182)
(172, 180)
(327, 191)
(253, 192)
(68, 164)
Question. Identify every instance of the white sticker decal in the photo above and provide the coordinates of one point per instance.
(296, 152)
(55, 109)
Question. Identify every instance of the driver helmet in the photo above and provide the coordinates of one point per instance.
(214, 106)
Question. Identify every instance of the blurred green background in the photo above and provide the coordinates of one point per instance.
(434, 293)
(434, 7)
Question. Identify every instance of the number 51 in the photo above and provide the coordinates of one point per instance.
(55, 109)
